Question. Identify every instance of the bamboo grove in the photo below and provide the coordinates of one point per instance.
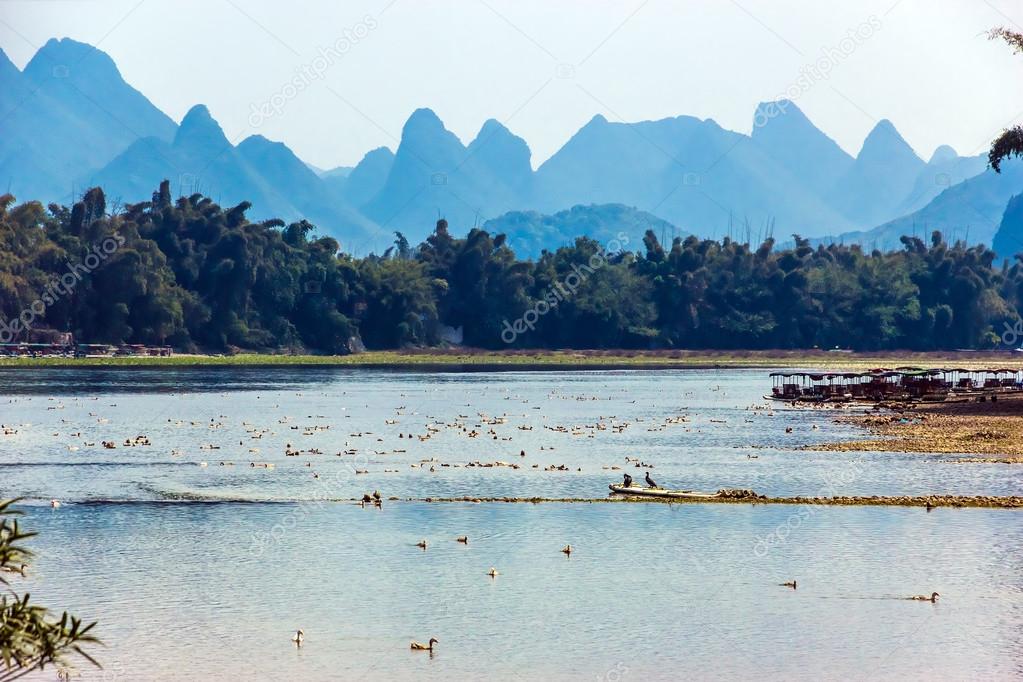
(198, 276)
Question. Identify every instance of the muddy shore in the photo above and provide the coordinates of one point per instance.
(989, 431)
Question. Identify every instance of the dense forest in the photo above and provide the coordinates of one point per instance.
(198, 276)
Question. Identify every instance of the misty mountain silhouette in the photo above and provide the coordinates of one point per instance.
(70, 120)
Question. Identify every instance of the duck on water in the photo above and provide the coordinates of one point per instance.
(418, 646)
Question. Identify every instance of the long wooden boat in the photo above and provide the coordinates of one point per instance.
(810, 398)
(661, 492)
(927, 398)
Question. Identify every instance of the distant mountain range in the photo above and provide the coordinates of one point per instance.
(71, 121)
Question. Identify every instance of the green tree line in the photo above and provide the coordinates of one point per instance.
(198, 276)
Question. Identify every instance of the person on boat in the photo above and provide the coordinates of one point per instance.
(649, 481)
(628, 481)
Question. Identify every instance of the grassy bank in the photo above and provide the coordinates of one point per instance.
(560, 359)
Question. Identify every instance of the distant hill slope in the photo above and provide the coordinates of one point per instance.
(69, 111)
(880, 178)
(1008, 240)
(692, 172)
(973, 208)
(945, 169)
(268, 174)
(786, 135)
(366, 179)
(530, 232)
(434, 175)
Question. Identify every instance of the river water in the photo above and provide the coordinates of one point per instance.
(200, 562)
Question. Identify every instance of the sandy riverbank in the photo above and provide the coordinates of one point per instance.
(987, 431)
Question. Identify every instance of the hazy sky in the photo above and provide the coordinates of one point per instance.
(545, 67)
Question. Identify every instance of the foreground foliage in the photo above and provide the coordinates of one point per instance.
(30, 639)
(1010, 143)
(197, 275)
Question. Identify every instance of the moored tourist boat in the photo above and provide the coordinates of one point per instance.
(900, 384)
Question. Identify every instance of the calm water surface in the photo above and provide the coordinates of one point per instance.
(204, 572)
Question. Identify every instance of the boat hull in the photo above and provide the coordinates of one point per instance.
(637, 491)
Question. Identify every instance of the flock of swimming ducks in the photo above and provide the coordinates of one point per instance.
(459, 425)
(480, 425)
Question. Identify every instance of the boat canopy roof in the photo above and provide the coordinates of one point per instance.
(888, 373)
(821, 376)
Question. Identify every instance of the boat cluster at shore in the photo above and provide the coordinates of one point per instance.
(913, 384)
(83, 350)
